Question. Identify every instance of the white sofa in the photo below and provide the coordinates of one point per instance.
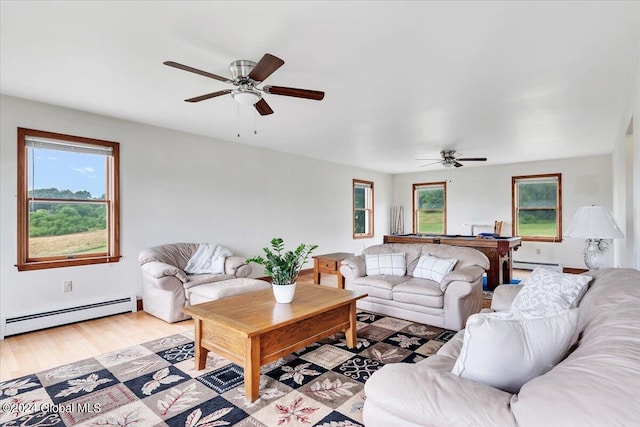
(418, 299)
(595, 385)
(166, 288)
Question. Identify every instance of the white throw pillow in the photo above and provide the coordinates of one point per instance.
(505, 350)
(433, 268)
(547, 292)
(389, 264)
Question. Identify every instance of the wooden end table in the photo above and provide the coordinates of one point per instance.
(252, 329)
(329, 264)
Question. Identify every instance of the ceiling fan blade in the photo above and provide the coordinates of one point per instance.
(458, 165)
(263, 108)
(208, 96)
(265, 67)
(196, 71)
(298, 93)
(472, 159)
(430, 164)
(439, 160)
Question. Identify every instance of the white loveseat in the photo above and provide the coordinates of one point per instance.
(166, 288)
(447, 304)
(595, 385)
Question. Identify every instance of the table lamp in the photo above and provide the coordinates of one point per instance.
(596, 224)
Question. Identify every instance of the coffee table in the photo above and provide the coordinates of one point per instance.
(252, 329)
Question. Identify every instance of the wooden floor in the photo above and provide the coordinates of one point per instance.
(36, 351)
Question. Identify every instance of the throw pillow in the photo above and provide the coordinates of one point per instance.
(389, 264)
(505, 350)
(433, 268)
(547, 292)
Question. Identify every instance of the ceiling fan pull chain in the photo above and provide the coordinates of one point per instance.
(255, 122)
(238, 110)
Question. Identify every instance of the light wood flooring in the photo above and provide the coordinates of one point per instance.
(36, 351)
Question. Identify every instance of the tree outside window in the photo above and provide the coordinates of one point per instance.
(362, 209)
(68, 206)
(429, 208)
(537, 207)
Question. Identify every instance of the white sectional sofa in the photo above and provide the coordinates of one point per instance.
(446, 304)
(595, 385)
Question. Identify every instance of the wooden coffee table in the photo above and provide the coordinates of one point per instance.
(252, 329)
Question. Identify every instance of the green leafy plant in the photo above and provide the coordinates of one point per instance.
(283, 266)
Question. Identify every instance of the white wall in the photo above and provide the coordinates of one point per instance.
(179, 187)
(626, 178)
(482, 195)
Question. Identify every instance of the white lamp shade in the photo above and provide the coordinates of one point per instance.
(594, 222)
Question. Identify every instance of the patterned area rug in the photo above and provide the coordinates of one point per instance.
(154, 384)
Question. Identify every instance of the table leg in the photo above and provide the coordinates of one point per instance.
(350, 333)
(316, 271)
(340, 276)
(252, 368)
(201, 352)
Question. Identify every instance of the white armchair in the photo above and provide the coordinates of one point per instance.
(165, 285)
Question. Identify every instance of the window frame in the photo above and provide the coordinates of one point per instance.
(414, 215)
(515, 209)
(112, 202)
(369, 210)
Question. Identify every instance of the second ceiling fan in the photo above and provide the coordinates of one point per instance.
(246, 75)
(448, 159)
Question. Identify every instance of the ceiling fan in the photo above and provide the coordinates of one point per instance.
(246, 75)
(448, 159)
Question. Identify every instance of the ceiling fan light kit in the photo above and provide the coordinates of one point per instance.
(246, 75)
(246, 96)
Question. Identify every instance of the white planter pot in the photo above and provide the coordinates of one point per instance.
(284, 293)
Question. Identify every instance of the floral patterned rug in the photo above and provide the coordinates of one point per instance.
(155, 384)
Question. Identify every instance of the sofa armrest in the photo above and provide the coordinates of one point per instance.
(470, 274)
(503, 296)
(237, 266)
(422, 395)
(353, 267)
(159, 270)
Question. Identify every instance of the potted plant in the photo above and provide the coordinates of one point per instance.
(283, 267)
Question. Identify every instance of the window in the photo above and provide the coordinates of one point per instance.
(430, 208)
(68, 200)
(362, 209)
(537, 207)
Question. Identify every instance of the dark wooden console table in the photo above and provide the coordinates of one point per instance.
(498, 250)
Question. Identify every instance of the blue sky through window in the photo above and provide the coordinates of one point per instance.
(67, 170)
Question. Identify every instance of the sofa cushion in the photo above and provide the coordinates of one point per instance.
(433, 268)
(378, 286)
(546, 292)
(224, 289)
(506, 350)
(419, 291)
(201, 279)
(387, 264)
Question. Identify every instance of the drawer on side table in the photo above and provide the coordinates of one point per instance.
(327, 266)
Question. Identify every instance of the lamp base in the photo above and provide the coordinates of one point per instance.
(594, 254)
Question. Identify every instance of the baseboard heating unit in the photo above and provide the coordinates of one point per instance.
(48, 319)
(528, 265)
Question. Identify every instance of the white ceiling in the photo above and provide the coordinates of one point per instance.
(512, 81)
